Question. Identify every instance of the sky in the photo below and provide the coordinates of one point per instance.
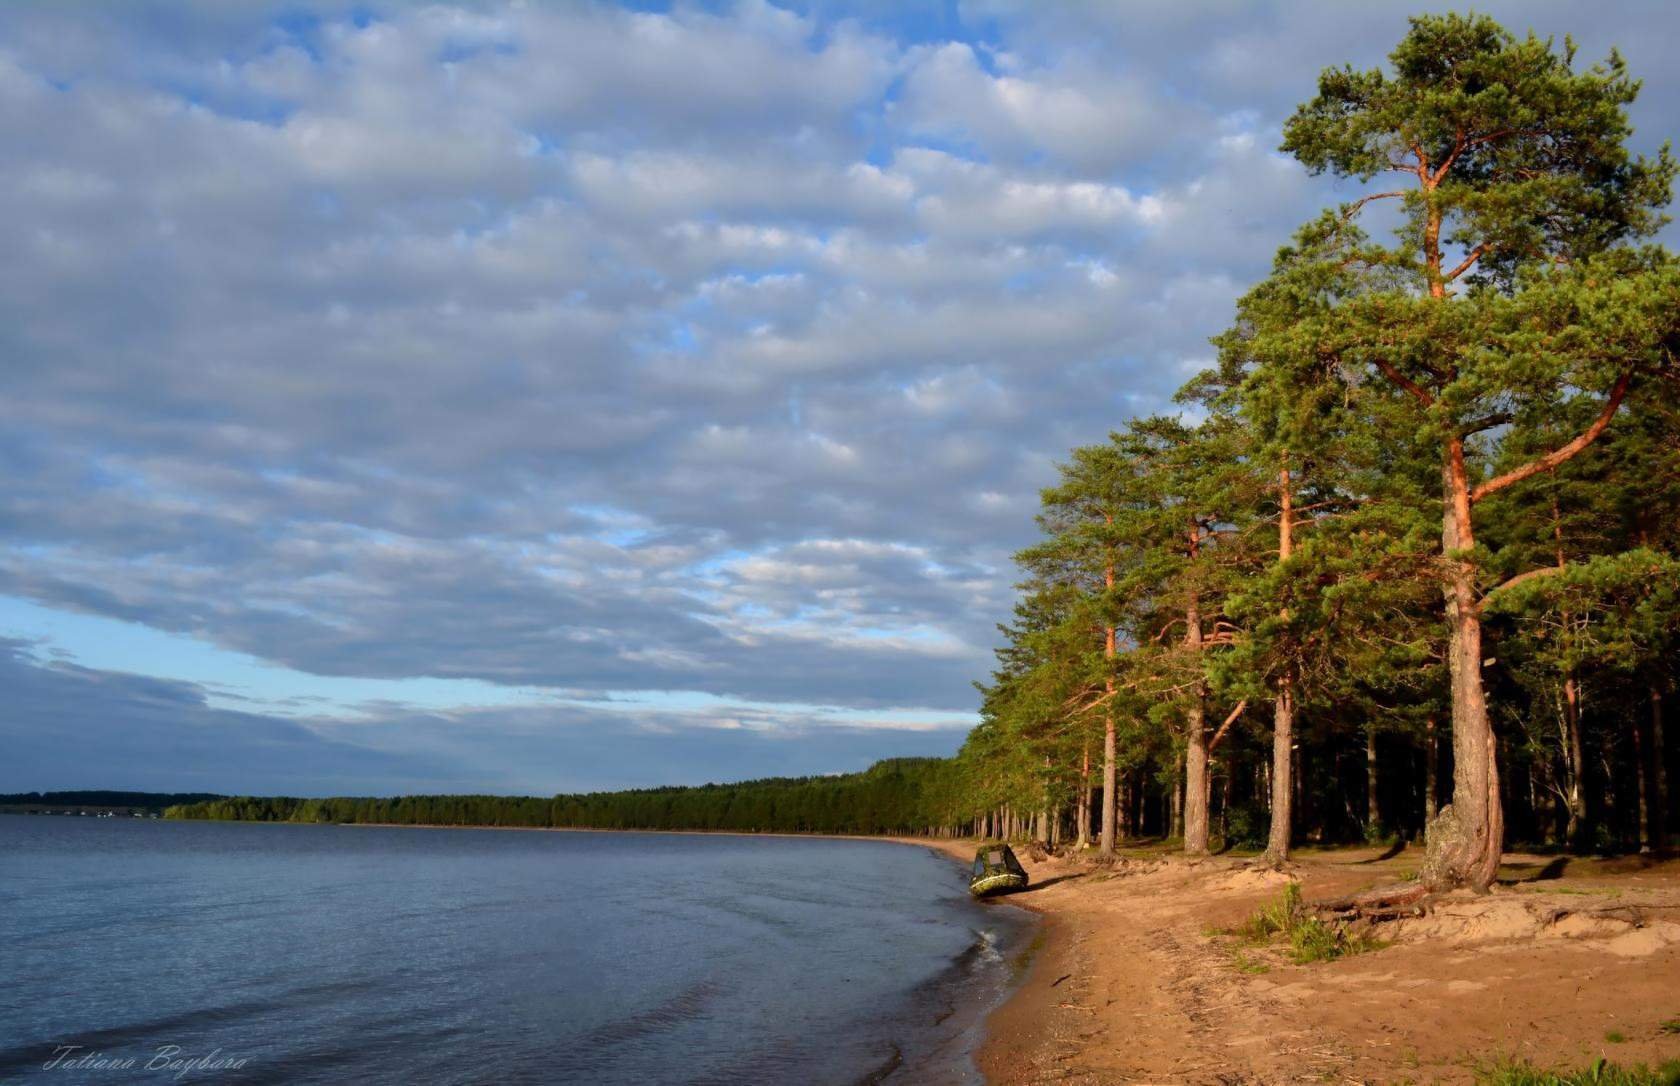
(527, 398)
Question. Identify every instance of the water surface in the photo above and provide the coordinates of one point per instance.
(396, 955)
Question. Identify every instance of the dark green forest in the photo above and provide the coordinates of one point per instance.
(900, 796)
(149, 801)
(1404, 560)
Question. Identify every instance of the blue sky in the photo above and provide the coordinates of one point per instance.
(524, 398)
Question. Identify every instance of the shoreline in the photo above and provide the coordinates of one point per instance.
(1128, 977)
(1134, 982)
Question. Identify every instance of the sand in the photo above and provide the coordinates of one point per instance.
(1133, 984)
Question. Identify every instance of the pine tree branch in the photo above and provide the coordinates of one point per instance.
(1559, 455)
(1543, 571)
(1486, 422)
(1225, 727)
(1440, 173)
(1405, 382)
(1353, 209)
(1466, 264)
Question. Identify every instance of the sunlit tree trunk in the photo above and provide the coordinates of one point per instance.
(1283, 708)
(1109, 753)
(1195, 725)
(1575, 763)
(1108, 801)
(1466, 849)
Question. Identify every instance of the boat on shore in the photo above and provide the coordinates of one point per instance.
(996, 871)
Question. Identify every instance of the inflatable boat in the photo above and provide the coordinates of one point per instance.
(996, 871)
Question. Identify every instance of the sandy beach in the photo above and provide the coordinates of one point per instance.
(1566, 962)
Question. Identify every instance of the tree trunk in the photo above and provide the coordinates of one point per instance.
(1297, 790)
(1576, 829)
(1127, 822)
(1108, 801)
(1575, 764)
(1642, 789)
(1373, 814)
(1283, 708)
(1609, 797)
(1195, 727)
(1467, 838)
(1044, 834)
(1109, 798)
(1431, 768)
(1283, 787)
(1225, 806)
(1082, 809)
(1659, 770)
(1196, 788)
(1175, 799)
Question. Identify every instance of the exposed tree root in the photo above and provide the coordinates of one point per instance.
(1398, 902)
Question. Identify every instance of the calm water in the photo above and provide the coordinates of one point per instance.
(332, 954)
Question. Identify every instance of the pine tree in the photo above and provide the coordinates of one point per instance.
(1510, 294)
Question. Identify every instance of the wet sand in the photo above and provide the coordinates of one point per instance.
(1132, 983)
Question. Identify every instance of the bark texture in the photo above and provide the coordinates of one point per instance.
(1283, 707)
(1108, 804)
(1195, 725)
(1283, 789)
(1467, 838)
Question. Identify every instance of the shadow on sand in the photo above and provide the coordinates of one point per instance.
(1388, 853)
(1051, 882)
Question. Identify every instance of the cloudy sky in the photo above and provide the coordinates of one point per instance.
(549, 397)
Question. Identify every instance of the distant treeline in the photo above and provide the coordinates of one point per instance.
(900, 795)
(156, 801)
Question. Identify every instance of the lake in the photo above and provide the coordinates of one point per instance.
(279, 953)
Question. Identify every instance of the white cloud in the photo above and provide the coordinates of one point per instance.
(578, 348)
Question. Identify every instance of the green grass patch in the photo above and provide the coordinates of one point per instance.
(1670, 1026)
(1310, 939)
(1615, 1036)
(1243, 963)
(1599, 1073)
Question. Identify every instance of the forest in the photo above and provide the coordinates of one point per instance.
(1403, 561)
(900, 796)
(145, 801)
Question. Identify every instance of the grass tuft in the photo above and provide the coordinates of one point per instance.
(1310, 939)
(1670, 1026)
(1615, 1036)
